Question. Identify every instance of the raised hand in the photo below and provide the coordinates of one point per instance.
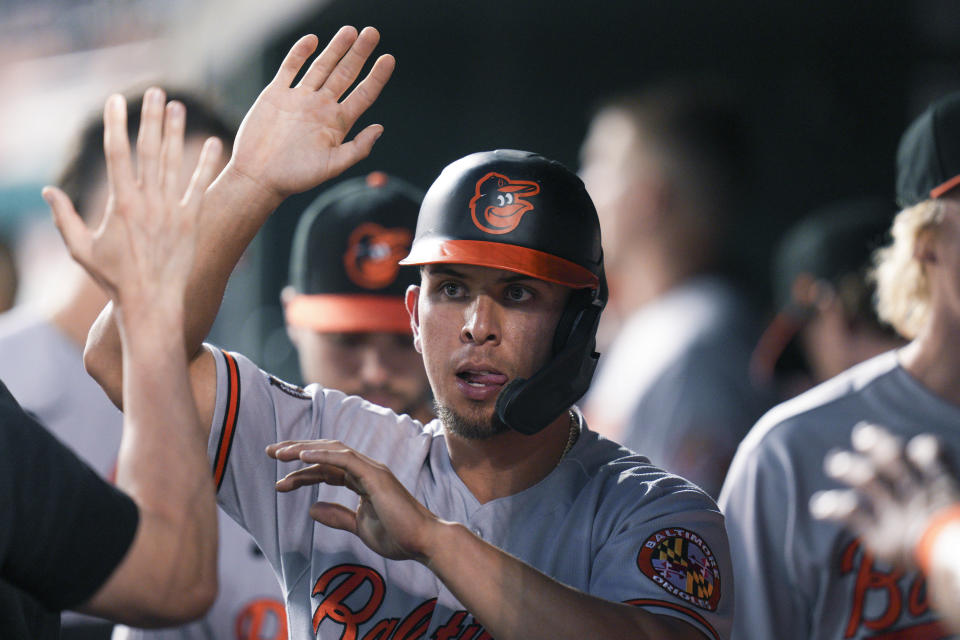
(895, 490)
(143, 249)
(388, 519)
(292, 139)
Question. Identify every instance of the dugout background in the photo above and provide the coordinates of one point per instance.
(827, 86)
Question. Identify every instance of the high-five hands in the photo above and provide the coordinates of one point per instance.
(895, 490)
(388, 519)
(143, 250)
(292, 139)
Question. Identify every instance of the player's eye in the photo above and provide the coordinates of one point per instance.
(452, 289)
(517, 293)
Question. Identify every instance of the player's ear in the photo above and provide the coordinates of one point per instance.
(412, 301)
(924, 247)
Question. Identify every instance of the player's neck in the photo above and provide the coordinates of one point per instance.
(509, 462)
(931, 359)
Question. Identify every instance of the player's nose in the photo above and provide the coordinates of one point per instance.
(481, 322)
(373, 367)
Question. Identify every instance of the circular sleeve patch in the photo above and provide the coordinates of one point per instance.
(683, 565)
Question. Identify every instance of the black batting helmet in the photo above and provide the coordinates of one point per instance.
(519, 211)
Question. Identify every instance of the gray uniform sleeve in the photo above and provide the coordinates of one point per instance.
(675, 563)
(759, 500)
(253, 410)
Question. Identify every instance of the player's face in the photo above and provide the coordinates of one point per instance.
(381, 367)
(944, 272)
(479, 328)
(615, 174)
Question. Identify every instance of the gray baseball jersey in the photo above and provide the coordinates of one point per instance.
(604, 520)
(798, 577)
(675, 385)
(45, 369)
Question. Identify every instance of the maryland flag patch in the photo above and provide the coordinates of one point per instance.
(682, 564)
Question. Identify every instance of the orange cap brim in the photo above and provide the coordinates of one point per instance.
(348, 313)
(510, 257)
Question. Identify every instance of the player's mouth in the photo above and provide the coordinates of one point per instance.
(479, 382)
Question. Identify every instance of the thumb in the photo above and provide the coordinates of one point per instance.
(72, 229)
(334, 515)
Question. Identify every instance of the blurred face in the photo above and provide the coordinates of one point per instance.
(944, 270)
(616, 176)
(383, 368)
(479, 328)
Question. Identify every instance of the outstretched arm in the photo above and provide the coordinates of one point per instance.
(292, 139)
(142, 255)
(904, 502)
(509, 597)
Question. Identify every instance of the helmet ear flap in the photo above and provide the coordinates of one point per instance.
(580, 300)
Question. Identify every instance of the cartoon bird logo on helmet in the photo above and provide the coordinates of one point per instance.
(500, 202)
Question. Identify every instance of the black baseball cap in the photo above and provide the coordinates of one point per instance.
(928, 158)
(828, 245)
(344, 267)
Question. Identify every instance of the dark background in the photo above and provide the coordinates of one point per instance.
(827, 88)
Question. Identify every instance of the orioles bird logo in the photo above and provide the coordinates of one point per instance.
(373, 254)
(498, 203)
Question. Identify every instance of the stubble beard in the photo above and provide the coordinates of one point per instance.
(475, 427)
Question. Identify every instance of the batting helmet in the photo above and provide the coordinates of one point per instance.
(519, 211)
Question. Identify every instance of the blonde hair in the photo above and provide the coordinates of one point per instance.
(903, 290)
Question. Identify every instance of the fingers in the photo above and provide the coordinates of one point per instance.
(349, 66)
(367, 92)
(321, 67)
(334, 515)
(116, 147)
(71, 227)
(203, 174)
(314, 474)
(839, 505)
(149, 137)
(294, 60)
(352, 152)
(175, 120)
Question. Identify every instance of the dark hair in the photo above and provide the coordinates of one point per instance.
(700, 127)
(86, 166)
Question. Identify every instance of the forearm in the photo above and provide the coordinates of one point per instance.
(234, 208)
(170, 573)
(513, 600)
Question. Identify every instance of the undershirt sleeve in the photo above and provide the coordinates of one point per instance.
(65, 529)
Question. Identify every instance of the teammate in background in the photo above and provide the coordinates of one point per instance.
(69, 539)
(558, 533)
(821, 282)
(904, 503)
(344, 304)
(666, 169)
(8, 277)
(799, 577)
(42, 365)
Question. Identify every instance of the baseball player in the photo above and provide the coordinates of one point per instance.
(799, 577)
(504, 518)
(40, 348)
(69, 539)
(344, 304)
(821, 284)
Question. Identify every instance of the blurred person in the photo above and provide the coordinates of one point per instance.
(799, 577)
(520, 521)
(344, 305)
(42, 365)
(666, 169)
(8, 277)
(904, 504)
(822, 286)
(144, 551)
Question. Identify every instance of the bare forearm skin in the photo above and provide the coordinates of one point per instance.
(169, 575)
(513, 600)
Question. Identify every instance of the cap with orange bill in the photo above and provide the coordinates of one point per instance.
(345, 274)
(928, 157)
